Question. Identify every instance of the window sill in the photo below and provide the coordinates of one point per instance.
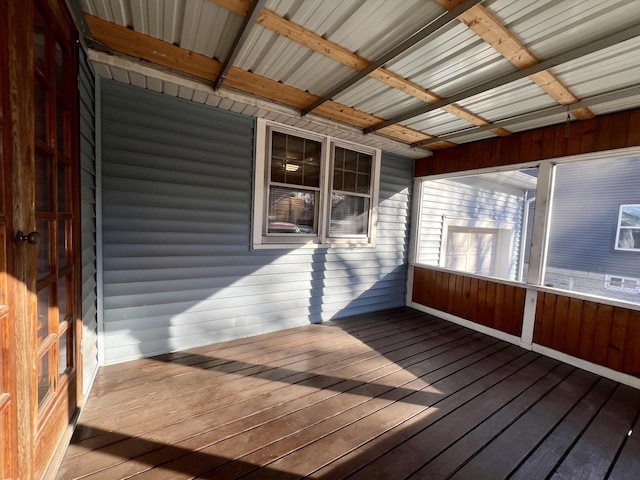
(311, 245)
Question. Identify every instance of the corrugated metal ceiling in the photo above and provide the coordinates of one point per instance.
(331, 40)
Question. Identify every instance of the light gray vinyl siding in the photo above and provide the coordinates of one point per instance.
(587, 199)
(178, 268)
(467, 199)
(86, 84)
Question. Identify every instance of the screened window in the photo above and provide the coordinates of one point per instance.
(593, 227)
(479, 224)
(312, 189)
(628, 231)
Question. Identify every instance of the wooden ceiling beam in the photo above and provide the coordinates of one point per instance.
(318, 44)
(239, 7)
(128, 42)
(492, 31)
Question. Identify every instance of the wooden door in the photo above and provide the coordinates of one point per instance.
(44, 198)
(8, 432)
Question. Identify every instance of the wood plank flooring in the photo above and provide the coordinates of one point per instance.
(390, 395)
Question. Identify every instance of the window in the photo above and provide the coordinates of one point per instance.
(477, 223)
(622, 284)
(553, 226)
(313, 190)
(594, 223)
(628, 231)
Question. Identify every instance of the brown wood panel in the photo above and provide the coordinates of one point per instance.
(493, 304)
(574, 322)
(605, 132)
(633, 130)
(603, 334)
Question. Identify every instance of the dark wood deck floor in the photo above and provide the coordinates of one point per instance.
(396, 394)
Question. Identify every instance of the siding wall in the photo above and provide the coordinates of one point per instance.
(86, 84)
(178, 270)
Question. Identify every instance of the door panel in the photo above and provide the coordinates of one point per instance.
(55, 198)
(8, 432)
(39, 272)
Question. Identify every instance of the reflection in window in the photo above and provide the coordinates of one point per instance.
(479, 224)
(628, 233)
(594, 232)
(44, 383)
(314, 190)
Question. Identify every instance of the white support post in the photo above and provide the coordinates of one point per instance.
(540, 233)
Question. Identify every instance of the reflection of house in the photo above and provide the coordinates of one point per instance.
(464, 230)
(585, 250)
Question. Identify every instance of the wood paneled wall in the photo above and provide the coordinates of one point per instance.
(606, 132)
(602, 334)
(492, 304)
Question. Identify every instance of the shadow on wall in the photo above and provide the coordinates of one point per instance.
(178, 268)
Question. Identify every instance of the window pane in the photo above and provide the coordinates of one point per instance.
(351, 171)
(62, 243)
(349, 215)
(63, 311)
(295, 160)
(63, 177)
(60, 128)
(43, 173)
(60, 56)
(40, 107)
(594, 231)
(43, 314)
(630, 216)
(44, 384)
(62, 353)
(479, 224)
(292, 211)
(629, 238)
(44, 266)
(39, 39)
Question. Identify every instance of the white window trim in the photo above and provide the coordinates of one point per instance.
(619, 227)
(260, 190)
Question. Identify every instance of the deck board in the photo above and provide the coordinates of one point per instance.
(394, 394)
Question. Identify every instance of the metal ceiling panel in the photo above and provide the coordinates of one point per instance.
(375, 26)
(437, 122)
(617, 105)
(548, 27)
(509, 100)
(452, 61)
(605, 71)
(267, 54)
(208, 28)
(538, 123)
(370, 95)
